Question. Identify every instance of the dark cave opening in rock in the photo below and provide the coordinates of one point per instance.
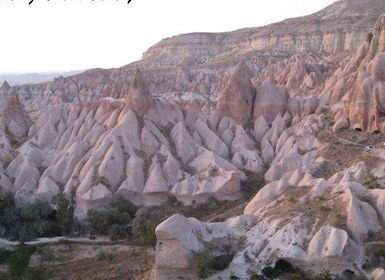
(284, 266)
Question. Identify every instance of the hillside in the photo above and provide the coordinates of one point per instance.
(262, 147)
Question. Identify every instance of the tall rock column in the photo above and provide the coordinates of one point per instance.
(15, 118)
(236, 100)
(139, 97)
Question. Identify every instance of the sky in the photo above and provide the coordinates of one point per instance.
(65, 35)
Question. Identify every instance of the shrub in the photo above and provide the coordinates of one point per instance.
(207, 265)
(114, 220)
(271, 272)
(30, 222)
(102, 255)
(144, 224)
(326, 275)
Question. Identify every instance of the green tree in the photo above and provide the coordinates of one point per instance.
(144, 224)
(64, 214)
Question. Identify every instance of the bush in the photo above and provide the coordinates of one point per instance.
(144, 224)
(113, 221)
(207, 265)
(102, 255)
(30, 222)
(326, 275)
(271, 272)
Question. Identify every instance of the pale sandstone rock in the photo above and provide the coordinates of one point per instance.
(64, 164)
(225, 124)
(184, 144)
(149, 143)
(282, 140)
(15, 129)
(227, 136)
(47, 190)
(377, 274)
(213, 120)
(329, 242)
(209, 159)
(213, 183)
(266, 195)
(158, 134)
(24, 195)
(241, 141)
(156, 189)
(249, 160)
(132, 188)
(341, 123)
(111, 167)
(211, 140)
(5, 183)
(270, 101)
(87, 182)
(112, 119)
(362, 218)
(260, 128)
(193, 113)
(176, 243)
(267, 152)
(27, 172)
(216, 178)
(97, 196)
(164, 114)
(170, 167)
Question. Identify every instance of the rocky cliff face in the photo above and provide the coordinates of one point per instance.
(315, 33)
(357, 89)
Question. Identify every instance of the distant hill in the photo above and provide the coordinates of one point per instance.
(33, 78)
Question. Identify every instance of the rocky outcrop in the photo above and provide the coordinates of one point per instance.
(139, 98)
(357, 90)
(15, 118)
(4, 89)
(236, 100)
(314, 33)
(306, 221)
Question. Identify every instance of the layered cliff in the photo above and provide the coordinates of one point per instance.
(341, 26)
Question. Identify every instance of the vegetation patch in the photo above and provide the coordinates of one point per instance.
(207, 265)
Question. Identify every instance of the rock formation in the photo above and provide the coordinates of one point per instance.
(138, 96)
(236, 100)
(4, 89)
(360, 85)
(15, 118)
(205, 116)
